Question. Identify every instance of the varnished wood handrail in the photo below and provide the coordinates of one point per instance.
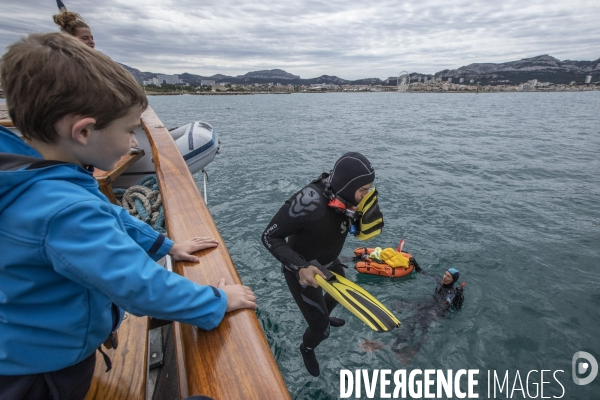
(233, 361)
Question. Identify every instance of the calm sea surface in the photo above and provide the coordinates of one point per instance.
(504, 187)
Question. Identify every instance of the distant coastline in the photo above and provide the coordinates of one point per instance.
(473, 90)
(148, 93)
(542, 68)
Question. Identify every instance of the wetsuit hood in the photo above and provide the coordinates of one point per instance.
(455, 275)
(350, 172)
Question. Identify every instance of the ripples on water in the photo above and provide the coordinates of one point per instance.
(504, 187)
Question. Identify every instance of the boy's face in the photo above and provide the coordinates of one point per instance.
(108, 145)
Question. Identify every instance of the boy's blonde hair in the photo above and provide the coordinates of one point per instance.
(46, 77)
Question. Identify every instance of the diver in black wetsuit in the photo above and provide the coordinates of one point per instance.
(446, 293)
(446, 296)
(317, 231)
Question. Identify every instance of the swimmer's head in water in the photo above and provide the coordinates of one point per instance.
(447, 279)
(450, 276)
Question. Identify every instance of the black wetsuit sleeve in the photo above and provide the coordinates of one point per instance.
(459, 297)
(273, 238)
(295, 215)
(439, 289)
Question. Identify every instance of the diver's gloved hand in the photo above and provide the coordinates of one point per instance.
(306, 276)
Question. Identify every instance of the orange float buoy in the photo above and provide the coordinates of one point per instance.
(372, 267)
(363, 251)
(375, 268)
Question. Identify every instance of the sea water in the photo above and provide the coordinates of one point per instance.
(504, 187)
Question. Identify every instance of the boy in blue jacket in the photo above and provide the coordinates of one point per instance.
(72, 261)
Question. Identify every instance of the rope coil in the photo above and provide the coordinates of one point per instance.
(144, 202)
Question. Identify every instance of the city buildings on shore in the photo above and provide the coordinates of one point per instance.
(437, 85)
(160, 79)
(166, 83)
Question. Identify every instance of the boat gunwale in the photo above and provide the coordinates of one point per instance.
(234, 360)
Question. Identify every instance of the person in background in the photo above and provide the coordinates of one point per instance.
(72, 262)
(73, 24)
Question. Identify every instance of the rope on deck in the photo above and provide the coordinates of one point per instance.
(144, 202)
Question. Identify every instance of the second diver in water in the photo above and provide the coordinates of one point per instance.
(415, 328)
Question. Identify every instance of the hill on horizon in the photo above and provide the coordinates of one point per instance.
(544, 68)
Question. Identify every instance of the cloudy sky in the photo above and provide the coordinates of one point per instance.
(350, 39)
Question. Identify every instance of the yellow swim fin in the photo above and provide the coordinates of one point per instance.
(358, 301)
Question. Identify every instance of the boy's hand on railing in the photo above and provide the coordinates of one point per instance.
(238, 296)
(184, 251)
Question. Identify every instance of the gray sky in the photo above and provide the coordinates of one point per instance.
(350, 39)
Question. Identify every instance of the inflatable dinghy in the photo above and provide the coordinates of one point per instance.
(197, 142)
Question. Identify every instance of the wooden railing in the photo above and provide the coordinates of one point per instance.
(233, 361)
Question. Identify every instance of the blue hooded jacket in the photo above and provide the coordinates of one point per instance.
(68, 254)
